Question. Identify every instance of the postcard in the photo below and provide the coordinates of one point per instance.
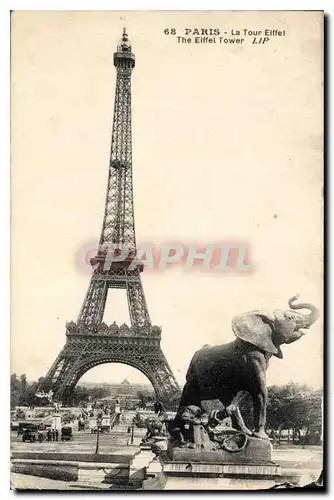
(167, 250)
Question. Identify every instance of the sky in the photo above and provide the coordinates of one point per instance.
(227, 146)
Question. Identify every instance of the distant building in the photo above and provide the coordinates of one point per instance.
(124, 387)
(126, 393)
(129, 390)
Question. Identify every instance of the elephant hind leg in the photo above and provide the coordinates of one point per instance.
(190, 395)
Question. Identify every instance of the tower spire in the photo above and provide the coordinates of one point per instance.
(124, 46)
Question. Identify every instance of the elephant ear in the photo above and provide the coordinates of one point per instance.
(256, 327)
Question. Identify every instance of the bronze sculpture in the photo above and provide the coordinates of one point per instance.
(231, 371)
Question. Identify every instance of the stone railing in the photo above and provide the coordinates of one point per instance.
(114, 330)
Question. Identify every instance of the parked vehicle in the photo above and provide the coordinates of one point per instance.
(66, 433)
(105, 423)
(27, 425)
(29, 434)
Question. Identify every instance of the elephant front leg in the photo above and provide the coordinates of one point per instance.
(260, 409)
(258, 390)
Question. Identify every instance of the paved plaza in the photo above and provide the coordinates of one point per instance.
(305, 460)
(83, 442)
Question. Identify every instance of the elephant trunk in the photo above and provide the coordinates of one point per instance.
(311, 317)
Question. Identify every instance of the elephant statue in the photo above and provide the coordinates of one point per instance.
(232, 371)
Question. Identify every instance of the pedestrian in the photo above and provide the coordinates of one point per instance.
(57, 434)
(48, 435)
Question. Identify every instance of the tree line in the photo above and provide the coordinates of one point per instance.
(292, 405)
(23, 393)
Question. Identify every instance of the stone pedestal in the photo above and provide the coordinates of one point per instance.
(56, 422)
(183, 483)
(256, 451)
(202, 469)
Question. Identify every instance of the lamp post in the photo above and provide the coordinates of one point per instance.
(98, 423)
(132, 431)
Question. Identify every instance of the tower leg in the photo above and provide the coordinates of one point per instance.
(139, 316)
(94, 304)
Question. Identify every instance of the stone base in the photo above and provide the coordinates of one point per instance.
(210, 476)
(256, 451)
(179, 483)
(191, 469)
(206, 469)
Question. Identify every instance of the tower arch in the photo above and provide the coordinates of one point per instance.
(85, 367)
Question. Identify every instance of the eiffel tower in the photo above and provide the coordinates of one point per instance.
(89, 341)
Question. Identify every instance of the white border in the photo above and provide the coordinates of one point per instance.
(121, 5)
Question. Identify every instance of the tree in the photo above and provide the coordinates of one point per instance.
(23, 380)
(15, 391)
(294, 406)
(144, 398)
(23, 393)
(82, 395)
(20, 415)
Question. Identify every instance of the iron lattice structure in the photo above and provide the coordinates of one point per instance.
(90, 342)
